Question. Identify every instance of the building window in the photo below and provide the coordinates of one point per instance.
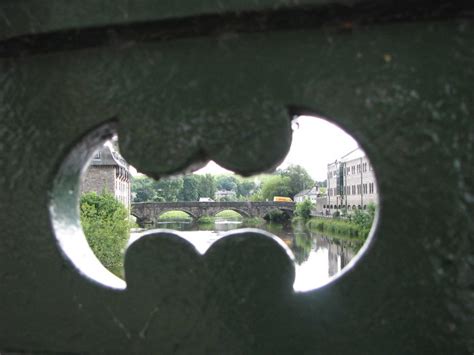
(371, 188)
(96, 156)
(365, 188)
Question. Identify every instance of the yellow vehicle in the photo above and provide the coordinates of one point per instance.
(282, 199)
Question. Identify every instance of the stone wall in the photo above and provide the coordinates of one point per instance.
(98, 179)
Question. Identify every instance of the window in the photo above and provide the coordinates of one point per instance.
(365, 188)
(353, 189)
(96, 156)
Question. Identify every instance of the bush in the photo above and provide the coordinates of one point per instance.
(357, 225)
(277, 216)
(303, 209)
(337, 227)
(106, 227)
(206, 220)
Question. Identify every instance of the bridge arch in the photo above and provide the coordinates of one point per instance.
(177, 209)
(243, 213)
(141, 221)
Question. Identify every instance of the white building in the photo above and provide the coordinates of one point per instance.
(310, 194)
(350, 183)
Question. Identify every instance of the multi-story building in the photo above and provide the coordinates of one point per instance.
(350, 183)
(108, 172)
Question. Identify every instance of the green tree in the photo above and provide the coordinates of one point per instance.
(169, 188)
(226, 182)
(245, 187)
(143, 189)
(299, 179)
(323, 183)
(106, 227)
(207, 186)
(303, 209)
(190, 188)
(275, 185)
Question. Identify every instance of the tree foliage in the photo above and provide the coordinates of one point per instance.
(303, 209)
(226, 182)
(190, 187)
(275, 185)
(206, 186)
(106, 227)
(287, 182)
(299, 179)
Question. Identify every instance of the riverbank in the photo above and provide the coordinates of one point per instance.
(342, 232)
(337, 227)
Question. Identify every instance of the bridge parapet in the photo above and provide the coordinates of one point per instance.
(149, 212)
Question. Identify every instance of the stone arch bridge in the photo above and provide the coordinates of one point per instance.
(149, 212)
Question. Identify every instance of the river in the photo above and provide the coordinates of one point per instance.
(317, 257)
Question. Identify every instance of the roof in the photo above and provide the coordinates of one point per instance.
(356, 153)
(302, 193)
(353, 154)
(108, 156)
(312, 191)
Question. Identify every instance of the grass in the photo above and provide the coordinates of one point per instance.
(174, 215)
(345, 232)
(229, 214)
(337, 227)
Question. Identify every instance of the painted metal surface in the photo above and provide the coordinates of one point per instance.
(404, 90)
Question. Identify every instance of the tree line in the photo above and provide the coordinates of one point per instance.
(284, 182)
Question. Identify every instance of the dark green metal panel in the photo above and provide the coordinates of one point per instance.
(402, 89)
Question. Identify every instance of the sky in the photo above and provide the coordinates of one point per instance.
(316, 142)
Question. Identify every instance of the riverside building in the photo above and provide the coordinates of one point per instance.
(108, 172)
(350, 184)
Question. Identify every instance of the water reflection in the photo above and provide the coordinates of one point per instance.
(317, 257)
